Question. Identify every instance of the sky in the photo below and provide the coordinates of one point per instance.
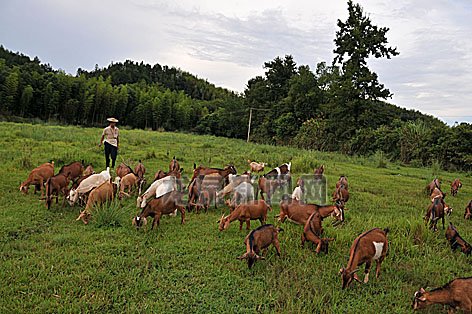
(227, 42)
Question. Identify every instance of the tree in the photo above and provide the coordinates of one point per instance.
(357, 40)
(25, 100)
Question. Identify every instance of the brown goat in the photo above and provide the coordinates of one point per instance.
(457, 294)
(101, 194)
(140, 170)
(256, 166)
(245, 212)
(56, 184)
(299, 213)
(159, 175)
(89, 170)
(203, 171)
(312, 232)
(370, 246)
(260, 239)
(174, 165)
(319, 172)
(341, 194)
(166, 204)
(38, 176)
(437, 193)
(455, 240)
(342, 181)
(123, 169)
(455, 186)
(436, 211)
(75, 170)
(130, 181)
(468, 210)
(434, 184)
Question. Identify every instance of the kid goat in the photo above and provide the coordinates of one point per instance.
(245, 212)
(369, 246)
(455, 240)
(312, 232)
(38, 177)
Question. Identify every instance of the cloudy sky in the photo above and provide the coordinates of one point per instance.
(227, 42)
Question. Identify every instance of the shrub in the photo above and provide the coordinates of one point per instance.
(109, 214)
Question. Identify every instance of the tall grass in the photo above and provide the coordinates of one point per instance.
(109, 214)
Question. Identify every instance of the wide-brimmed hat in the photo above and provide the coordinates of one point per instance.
(112, 120)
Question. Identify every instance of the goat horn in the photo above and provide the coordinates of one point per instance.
(242, 256)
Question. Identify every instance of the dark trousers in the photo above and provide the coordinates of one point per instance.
(110, 150)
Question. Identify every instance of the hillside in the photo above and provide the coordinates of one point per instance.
(51, 263)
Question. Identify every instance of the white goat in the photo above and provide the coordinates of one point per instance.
(87, 185)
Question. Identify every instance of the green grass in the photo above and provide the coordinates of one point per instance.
(52, 263)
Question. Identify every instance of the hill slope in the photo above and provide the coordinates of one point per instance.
(51, 263)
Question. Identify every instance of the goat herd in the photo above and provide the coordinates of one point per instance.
(165, 197)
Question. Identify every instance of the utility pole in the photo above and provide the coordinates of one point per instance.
(249, 126)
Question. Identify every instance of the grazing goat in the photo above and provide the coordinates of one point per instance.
(268, 186)
(174, 165)
(468, 210)
(299, 190)
(160, 187)
(103, 193)
(341, 194)
(163, 205)
(88, 171)
(75, 170)
(203, 171)
(140, 170)
(436, 211)
(342, 181)
(123, 169)
(319, 172)
(56, 184)
(434, 184)
(159, 175)
(457, 294)
(38, 176)
(256, 166)
(437, 193)
(299, 213)
(246, 212)
(455, 240)
(455, 186)
(260, 239)
(87, 185)
(312, 232)
(369, 246)
(128, 182)
(234, 182)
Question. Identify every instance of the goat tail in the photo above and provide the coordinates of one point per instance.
(173, 157)
(279, 229)
(194, 166)
(139, 160)
(386, 230)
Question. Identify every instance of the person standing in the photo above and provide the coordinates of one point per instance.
(111, 138)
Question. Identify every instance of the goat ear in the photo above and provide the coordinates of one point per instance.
(42, 198)
(260, 257)
(181, 170)
(145, 221)
(354, 271)
(422, 290)
(242, 256)
(329, 240)
(318, 247)
(134, 221)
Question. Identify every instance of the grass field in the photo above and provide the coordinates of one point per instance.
(52, 264)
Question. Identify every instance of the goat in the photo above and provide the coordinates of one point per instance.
(203, 171)
(163, 205)
(370, 246)
(174, 165)
(436, 211)
(159, 175)
(341, 194)
(455, 186)
(268, 186)
(260, 239)
(437, 193)
(256, 166)
(246, 212)
(103, 193)
(56, 184)
(457, 294)
(160, 187)
(455, 240)
(89, 170)
(342, 181)
(312, 232)
(38, 176)
(123, 169)
(234, 182)
(140, 170)
(468, 210)
(319, 172)
(299, 190)
(87, 185)
(299, 213)
(128, 182)
(434, 184)
(75, 170)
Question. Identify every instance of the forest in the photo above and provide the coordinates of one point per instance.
(338, 106)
